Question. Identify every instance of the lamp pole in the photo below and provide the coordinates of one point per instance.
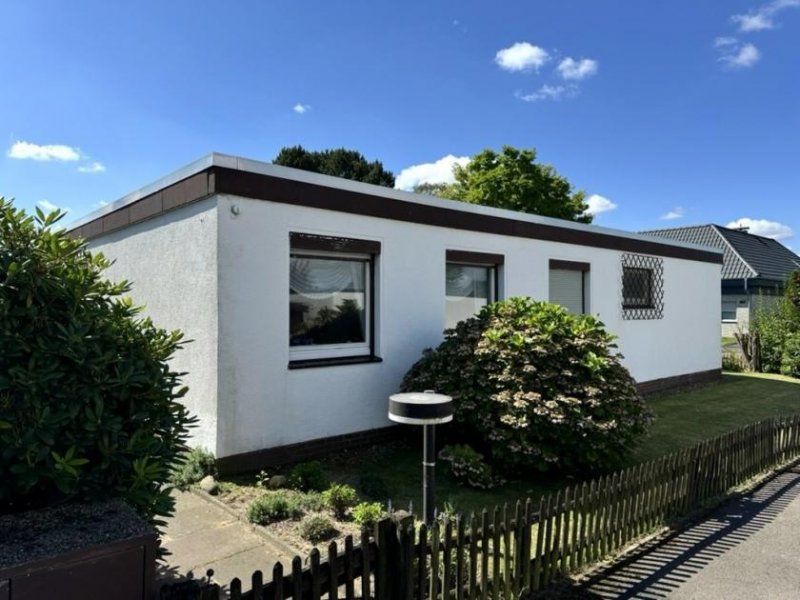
(428, 471)
(426, 409)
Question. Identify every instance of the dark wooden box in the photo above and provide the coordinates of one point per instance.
(79, 551)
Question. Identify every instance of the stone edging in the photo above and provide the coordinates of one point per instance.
(282, 546)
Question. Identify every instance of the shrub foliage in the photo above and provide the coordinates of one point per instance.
(776, 326)
(273, 507)
(194, 465)
(340, 498)
(88, 403)
(308, 477)
(539, 387)
(317, 528)
(368, 513)
(468, 467)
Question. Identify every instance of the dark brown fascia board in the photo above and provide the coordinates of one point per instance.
(193, 188)
(261, 186)
(329, 243)
(474, 258)
(277, 189)
(569, 265)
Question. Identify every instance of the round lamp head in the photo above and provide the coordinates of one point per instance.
(420, 408)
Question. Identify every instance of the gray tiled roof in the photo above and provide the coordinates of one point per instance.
(744, 255)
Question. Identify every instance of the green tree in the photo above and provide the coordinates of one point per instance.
(434, 189)
(88, 404)
(513, 180)
(339, 162)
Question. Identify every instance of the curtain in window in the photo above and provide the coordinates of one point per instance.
(467, 290)
(317, 278)
(327, 301)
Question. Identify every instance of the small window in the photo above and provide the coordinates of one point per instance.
(729, 310)
(637, 287)
(470, 284)
(642, 287)
(569, 285)
(330, 297)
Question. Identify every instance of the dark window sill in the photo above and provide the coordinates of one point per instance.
(333, 362)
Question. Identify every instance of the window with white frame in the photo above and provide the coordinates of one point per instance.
(471, 282)
(330, 297)
(729, 310)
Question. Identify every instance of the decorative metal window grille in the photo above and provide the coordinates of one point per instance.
(642, 287)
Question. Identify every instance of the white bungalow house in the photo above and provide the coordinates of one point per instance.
(308, 297)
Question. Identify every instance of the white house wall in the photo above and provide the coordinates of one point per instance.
(171, 263)
(263, 404)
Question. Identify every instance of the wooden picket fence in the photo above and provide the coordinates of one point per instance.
(501, 553)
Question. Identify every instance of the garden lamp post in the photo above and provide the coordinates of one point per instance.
(426, 409)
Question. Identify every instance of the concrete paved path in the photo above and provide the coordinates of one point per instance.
(747, 549)
(202, 536)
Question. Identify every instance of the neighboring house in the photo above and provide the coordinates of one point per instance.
(308, 297)
(754, 269)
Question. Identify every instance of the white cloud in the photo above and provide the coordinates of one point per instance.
(763, 227)
(521, 56)
(753, 22)
(599, 204)
(28, 151)
(95, 167)
(550, 92)
(301, 108)
(675, 213)
(569, 68)
(49, 207)
(741, 57)
(763, 17)
(723, 41)
(440, 171)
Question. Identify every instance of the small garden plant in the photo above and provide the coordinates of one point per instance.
(340, 498)
(317, 528)
(536, 388)
(194, 465)
(273, 507)
(367, 514)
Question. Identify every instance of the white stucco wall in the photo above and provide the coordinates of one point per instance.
(263, 404)
(171, 263)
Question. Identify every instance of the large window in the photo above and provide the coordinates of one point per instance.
(330, 297)
(642, 287)
(470, 284)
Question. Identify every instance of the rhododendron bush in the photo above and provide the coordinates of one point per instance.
(538, 387)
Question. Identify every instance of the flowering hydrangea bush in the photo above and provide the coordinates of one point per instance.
(538, 387)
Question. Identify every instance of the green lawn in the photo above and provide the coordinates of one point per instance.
(742, 398)
(680, 420)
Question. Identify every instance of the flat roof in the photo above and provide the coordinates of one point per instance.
(218, 173)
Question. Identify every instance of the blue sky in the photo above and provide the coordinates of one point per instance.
(674, 109)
